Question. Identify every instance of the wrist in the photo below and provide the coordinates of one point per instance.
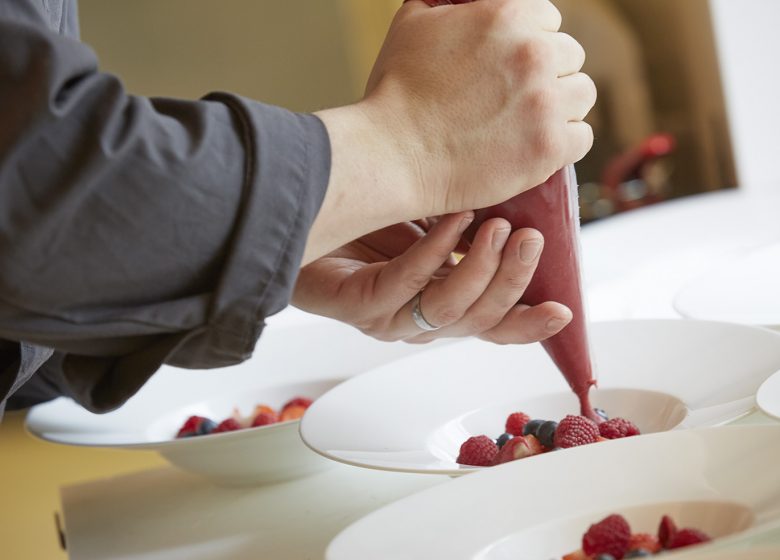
(374, 178)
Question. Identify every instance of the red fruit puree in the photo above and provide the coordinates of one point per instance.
(552, 209)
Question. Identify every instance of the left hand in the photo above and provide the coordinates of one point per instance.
(370, 283)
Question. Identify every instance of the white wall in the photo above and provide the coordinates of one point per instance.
(749, 48)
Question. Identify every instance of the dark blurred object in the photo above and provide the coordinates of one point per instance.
(637, 177)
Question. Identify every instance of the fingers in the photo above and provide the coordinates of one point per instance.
(580, 140)
(569, 54)
(409, 273)
(579, 95)
(457, 305)
(447, 302)
(523, 325)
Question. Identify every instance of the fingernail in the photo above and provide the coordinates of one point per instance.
(465, 223)
(529, 250)
(555, 324)
(499, 238)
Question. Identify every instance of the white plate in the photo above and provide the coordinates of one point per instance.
(303, 358)
(742, 288)
(720, 480)
(768, 397)
(412, 415)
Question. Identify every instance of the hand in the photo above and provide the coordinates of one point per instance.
(487, 93)
(370, 283)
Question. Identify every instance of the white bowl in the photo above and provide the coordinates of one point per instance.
(721, 480)
(303, 358)
(413, 414)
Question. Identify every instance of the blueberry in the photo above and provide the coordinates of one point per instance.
(531, 427)
(638, 553)
(502, 439)
(605, 557)
(206, 427)
(602, 413)
(546, 433)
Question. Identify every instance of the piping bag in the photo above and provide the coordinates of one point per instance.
(553, 209)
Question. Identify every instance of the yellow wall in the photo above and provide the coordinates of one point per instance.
(304, 55)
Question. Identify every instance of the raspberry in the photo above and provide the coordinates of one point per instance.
(618, 428)
(196, 426)
(519, 447)
(644, 541)
(687, 537)
(609, 536)
(576, 430)
(478, 451)
(229, 425)
(264, 419)
(515, 423)
(666, 530)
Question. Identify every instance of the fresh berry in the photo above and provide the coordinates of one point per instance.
(644, 541)
(478, 451)
(293, 412)
(229, 425)
(578, 555)
(298, 401)
(638, 553)
(196, 426)
(264, 419)
(519, 447)
(206, 427)
(601, 413)
(546, 433)
(666, 530)
(608, 536)
(618, 428)
(532, 426)
(575, 430)
(260, 408)
(687, 537)
(515, 423)
(502, 439)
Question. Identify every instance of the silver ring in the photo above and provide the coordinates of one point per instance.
(419, 318)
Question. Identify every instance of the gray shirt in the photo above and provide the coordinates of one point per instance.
(137, 231)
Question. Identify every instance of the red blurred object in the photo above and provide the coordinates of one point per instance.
(633, 165)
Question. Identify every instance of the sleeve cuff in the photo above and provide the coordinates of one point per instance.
(287, 169)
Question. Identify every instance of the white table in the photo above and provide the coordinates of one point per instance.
(635, 263)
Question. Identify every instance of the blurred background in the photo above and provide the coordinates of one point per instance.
(660, 122)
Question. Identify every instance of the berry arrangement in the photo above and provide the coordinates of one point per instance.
(524, 437)
(262, 415)
(612, 539)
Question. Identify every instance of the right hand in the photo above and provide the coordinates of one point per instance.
(486, 98)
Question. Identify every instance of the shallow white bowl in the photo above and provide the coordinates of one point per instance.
(302, 358)
(413, 414)
(721, 480)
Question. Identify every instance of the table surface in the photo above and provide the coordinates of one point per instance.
(634, 264)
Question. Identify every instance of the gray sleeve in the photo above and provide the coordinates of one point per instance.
(136, 231)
